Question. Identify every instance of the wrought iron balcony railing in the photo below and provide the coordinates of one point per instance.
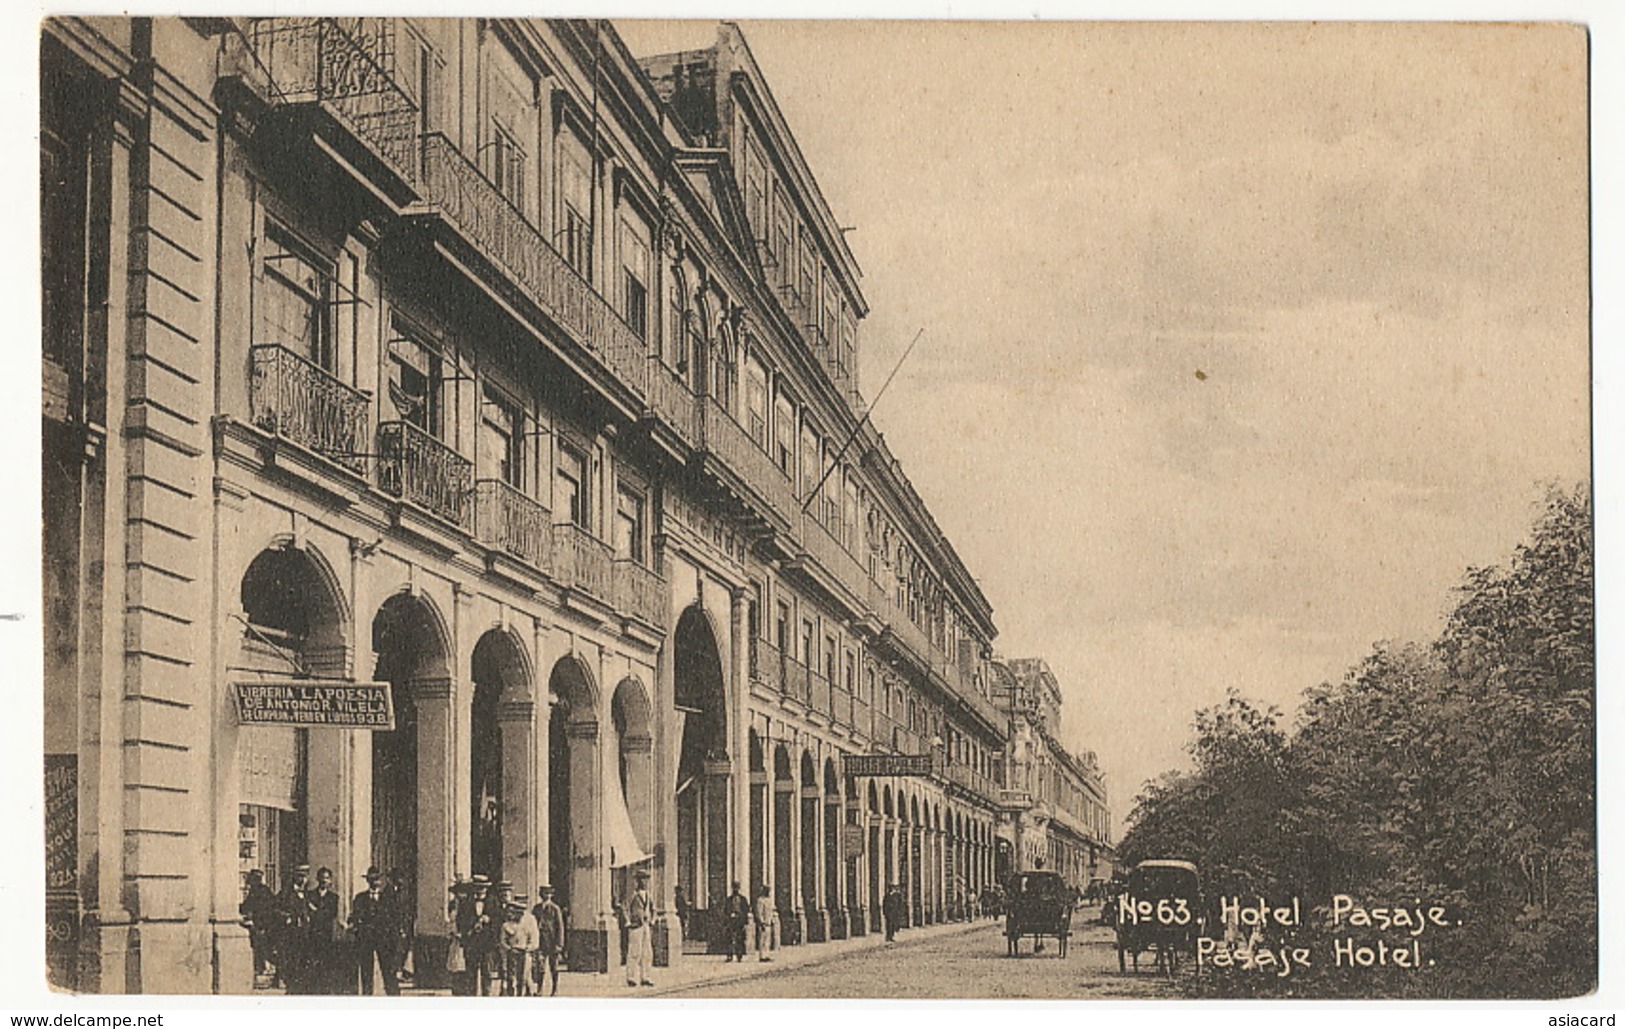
(416, 467)
(303, 404)
(507, 520)
(582, 562)
(505, 236)
(641, 593)
(724, 439)
(348, 66)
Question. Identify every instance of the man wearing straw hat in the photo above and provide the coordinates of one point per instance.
(518, 942)
(639, 946)
(549, 936)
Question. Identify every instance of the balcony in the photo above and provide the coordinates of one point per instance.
(841, 703)
(796, 685)
(822, 546)
(767, 665)
(672, 402)
(507, 520)
(732, 446)
(818, 693)
(347, 66)
(418, 468)
(582, 562)
(640, 593)
(298, 401)
(862, 719)
(505, 237)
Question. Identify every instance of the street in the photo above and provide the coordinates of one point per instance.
(968, 964)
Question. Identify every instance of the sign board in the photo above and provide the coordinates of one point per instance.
(61, 822)
(852, 841)
(888, 764)
(332, 703)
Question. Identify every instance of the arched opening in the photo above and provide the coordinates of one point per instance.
(833, 861)
(758, 814)
(811, 846)
(498, 786)
(630, 832)
(294, 627)
(411, 656)
(915, 839)
(703, 767)
(572, 806)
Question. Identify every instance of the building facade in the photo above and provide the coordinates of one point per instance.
(1055, 814)
(489, 365)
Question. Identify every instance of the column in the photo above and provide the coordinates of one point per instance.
(521, 861)
(435, 870)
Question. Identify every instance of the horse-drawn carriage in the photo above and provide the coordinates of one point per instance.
(1038, 904)
(1159, 908)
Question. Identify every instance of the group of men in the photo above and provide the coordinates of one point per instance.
(300, 943)
(497, 946)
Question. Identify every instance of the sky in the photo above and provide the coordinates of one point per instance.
(1371, 241)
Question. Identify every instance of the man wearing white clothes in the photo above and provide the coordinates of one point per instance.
(639, 949)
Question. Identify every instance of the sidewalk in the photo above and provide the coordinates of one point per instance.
(706, 969)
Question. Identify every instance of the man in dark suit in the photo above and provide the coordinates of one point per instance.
(891, 910)
(375, 917)
(259, 911)
(736, 921)
(549, 936)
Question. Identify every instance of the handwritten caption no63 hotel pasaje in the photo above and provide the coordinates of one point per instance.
(1252, 935)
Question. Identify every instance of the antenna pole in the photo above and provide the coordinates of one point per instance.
(862, 422)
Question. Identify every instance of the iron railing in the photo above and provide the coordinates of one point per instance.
(641, 593)
(582, 562)
(297, 400)
(416, 467)
(505, 236)
(507, 520)
(348, 66)
(724, 439)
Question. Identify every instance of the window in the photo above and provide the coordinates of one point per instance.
(296, 299)
(630, 525)
(635, 278)
(829, 659)
(575, 204)
(756, 403)
(505, 164)
(807, 643)
(784, 435)
(756, 191)
(781, 236)
(420, 67)
(851, 673)
(501, 440)
(781, 628)
(806, 281)
(570, 497)
(869, 685)
(415, 379)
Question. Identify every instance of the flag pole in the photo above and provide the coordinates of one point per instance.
(862, 422)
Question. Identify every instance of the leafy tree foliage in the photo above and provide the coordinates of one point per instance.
(1460, 773)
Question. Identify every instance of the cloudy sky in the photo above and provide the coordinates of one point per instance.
(1371, 241)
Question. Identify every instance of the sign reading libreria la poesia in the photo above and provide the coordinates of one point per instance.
(315, 702)
(888, 764)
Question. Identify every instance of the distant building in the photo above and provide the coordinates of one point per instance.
(1055, 812)
(477, 369)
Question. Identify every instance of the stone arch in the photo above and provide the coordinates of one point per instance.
(760, 798)
(293, 624)
(500, 749)
(575, 786)
(411, 812)
(704, 763)
(783, 837)
(631, 715)
(809, 840)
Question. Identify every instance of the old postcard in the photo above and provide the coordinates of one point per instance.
(608, 508)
